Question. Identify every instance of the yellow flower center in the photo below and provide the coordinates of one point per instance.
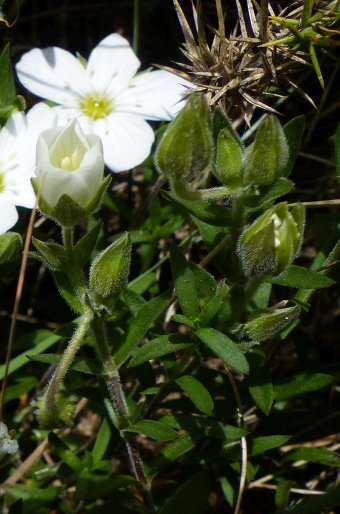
(2, 179)
(96, 106)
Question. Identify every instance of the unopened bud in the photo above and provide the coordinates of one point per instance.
(268, 155)
(186, 148)
(270, 244)
(110, 269)
(268, 323)
(229, 155)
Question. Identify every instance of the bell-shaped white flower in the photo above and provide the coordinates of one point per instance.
(106, 95)
(69, 174)
(18, 139)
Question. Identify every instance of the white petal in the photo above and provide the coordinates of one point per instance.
(126, 139)
(111, 65)
(8, 215)
(154, 95)
(54, 74)
(18, 140)
(20, 193)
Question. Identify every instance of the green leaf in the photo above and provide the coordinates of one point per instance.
(293, 131)
(319, 455)
(7, 86)
(62, 450)
(209, 311)
(173, 451)
(90, 366)
(259, 381)
(158, 347)
(133, 300)
(297, 276)
(184, 283)
(211, 213)
(23, 385)
(102, 441)
(281, 187)
(205, 284)
(282, 493)
(259, 445)
(301, 383)
(212, 236)
(66, 290)
(190, 497)
(30, 494)
(153, 429)
(180, 318)
(197, 393)
(224, 348)
(85, 245)
(141, 324)
(39, 341)
(316, 504)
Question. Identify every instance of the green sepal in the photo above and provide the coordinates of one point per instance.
(10, 247)
(228, 162)
(54, 255)
(67, 212)
(270, 244)
(84, 247)
(110, 269)
(267, 157)
(186, 148)
(267, 323)
(58, 414)
(95, 202)
(293, 131)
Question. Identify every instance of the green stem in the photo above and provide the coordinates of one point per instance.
(68, 357)
(136, 25)
(118, 400)
(76, 275)
(68, 243)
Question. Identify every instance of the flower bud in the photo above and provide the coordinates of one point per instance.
(69, 174)
(58, 414)
(268, 323)
(10, 247)
(186, 148)
(228, 161)
(270, 244)
(110, 269)
(267, 157)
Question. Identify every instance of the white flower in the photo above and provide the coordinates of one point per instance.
(106, 96)
(8, 446)
(18, 140)
(69, 173)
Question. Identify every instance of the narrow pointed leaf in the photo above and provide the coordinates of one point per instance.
(197, 393)
(224, 348)
(301, 383)
(153, 429)
(160, 346)
(184, 283)
(141, 324)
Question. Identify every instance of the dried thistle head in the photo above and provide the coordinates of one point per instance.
(268, 46)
